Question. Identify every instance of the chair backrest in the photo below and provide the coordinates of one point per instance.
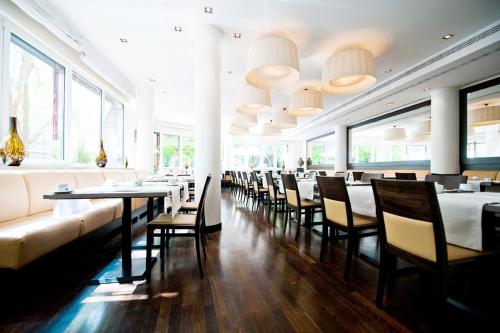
(292, 194)
(322, 173)
(450, 182)
(201, 206)
(411, 219)
(270, 185)
(432, 178)
(335, 200)
(357, 175)
(255, 181)
(367, 177)
(406, 175)
(339, 174)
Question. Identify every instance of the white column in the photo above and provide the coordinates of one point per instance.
(340, 148)
(145, 114)
(445, 138)
(207, 118)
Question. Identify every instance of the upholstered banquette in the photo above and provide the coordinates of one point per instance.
(28, 227)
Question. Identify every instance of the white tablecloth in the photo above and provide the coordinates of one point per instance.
(305, 187)
(461, 212)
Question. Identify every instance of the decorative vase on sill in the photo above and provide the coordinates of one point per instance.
(12, 153)
(101, 159)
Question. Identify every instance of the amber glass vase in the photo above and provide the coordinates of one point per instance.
(12, 153)
(101, 159)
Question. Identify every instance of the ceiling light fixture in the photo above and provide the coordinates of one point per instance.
(427, 89)
(163, 91)
(234, 130)
(237, 35)
(423, 132)
(229, 72)
(448, 36)
(253, 100)
(123, 40)
(152, 80)
(483, 116)
(395, 134)
(388, 70)
(282, 119)
(244, 120)
(348, 72)
(389, 104)
(306, 102)
(269, 130)
(178, 29)
(209, 10)
(273, 62)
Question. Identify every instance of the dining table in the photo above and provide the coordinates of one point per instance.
(125, 193)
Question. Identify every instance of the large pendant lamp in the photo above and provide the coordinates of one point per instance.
(282, 119)
(423, 132)
(486, 115)
(268, 129)
(244, 120)
(395, 134)
(273, 62)
(306, 102)
(348, 72)
(253, 100)
(234, 130)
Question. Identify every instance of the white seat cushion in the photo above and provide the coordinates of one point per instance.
(14, 198)
(24, 239)
(102, 213)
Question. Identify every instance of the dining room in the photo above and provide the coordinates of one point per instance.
(249, 166)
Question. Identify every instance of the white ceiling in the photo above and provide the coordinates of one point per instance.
(399, 33)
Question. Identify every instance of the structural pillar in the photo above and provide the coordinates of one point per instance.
(145, 114)
(340, 148)
(445, 136)
(207, 97)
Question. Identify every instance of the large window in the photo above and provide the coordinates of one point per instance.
(320, 151)
(258, 156)
(177, 151)
(112, 131)
(84, 121)
(187, 151)
(483, 120)
(37, 100)
(400, 137)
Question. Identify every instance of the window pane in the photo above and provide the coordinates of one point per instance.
(373, 142)
(268, 160)
(187, 149)
(84, 121)
(112, 131)
(320, 151)
(483, 137)
(281, 156)
(170, 151)
(253, 152)
(156, 152)
(37, 100)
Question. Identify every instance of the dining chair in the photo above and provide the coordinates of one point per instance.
(165, 223)
(295, 203)
(248, 191)
(367, 177)
(275, 197)
(337, 214)
(412, 229)
(259, 192)
(357, 175)
(406, 176)
(322, 173)
(450, 182)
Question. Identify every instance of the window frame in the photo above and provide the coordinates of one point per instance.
(403, 165)
(474, 163)
(104, 96)
(318, 166)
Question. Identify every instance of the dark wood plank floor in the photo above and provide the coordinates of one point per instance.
(257, 280)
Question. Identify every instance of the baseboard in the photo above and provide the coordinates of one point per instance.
(213, 228)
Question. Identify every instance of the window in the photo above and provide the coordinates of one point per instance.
(112, 131)
(156, 152)
(170, 151)
(320, 151)
(187, 151)
(483, 123)
(399, 137)
(257, 156)
(37, 100)
(84, 119)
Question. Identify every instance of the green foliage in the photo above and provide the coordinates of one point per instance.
(363, 154)
(397, 152)
(317, 154)
(82, 156)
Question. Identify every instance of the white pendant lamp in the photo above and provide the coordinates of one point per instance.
(238, 130)
(486, 115)
(269, 130)
(348, 72)
(306, 102)
(395, 134)
(253, 100)
(423, 132)
(273, 62)
(244, 120)
(282, 119)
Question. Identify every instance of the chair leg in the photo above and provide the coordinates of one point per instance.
(162, 243)
(149, 245)
(299, 217)
(348, 258)
(286, 219)
(356, 244)
(382, 278)
(203, 240)
(198, 256)
(275, 212)
(324, 242)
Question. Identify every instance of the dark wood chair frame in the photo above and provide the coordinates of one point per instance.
(406, 176)
(258, 196)
(248, 187)
(276, 202)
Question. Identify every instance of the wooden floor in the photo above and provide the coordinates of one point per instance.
(257, 280)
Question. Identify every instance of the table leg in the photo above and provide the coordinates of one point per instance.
(151, 208)
(127, 237)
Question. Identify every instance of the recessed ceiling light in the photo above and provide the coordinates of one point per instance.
(388, 70)
(237, 35)
(389, 104)
(229, 72)
(178, 29)
(209, 10)
(427, 89)
(152, 80)
(163, 91)
(447, 36)
(123, 40)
